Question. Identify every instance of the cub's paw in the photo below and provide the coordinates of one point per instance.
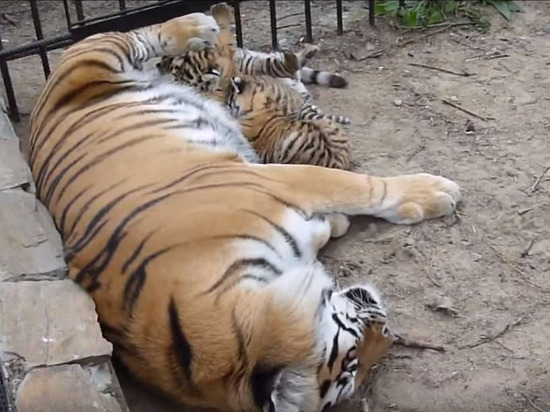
(418, 197)
(194, 31)
(292, 63)
(307, 52)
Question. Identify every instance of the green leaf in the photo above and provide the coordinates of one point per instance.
(502, 7)
(450, 7)
(435, 17)
(515, 7)
(412, 18)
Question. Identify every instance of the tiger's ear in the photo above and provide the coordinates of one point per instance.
(238, 84)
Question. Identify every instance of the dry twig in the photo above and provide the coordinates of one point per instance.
(439, 69)
(537, 182)
(528, 248)
(521, 274)
(487, 339)
(532, 403)
(456, 106)
(417, 344)
(441, 30)
(364, 405)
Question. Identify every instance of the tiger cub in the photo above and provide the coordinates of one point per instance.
(276, 113)
(275, 110)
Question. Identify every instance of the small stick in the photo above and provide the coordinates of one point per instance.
(456, 106)
(532, 403)
(528, 248)
(522, 275)
(413, 343)
(364, 405)
(487, 339)
(425, 66)
(537, 182)
(441, 30)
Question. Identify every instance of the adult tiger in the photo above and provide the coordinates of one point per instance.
(202, 264)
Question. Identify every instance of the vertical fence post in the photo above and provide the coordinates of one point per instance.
(67, 14)
(307, 12)
(8, 86)
(39, 36)
(238, 23)
(273, 20)
(79, 10)
(339, 17)
(372, 7)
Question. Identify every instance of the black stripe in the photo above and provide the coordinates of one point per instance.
(282, 231)
(240, 265)
(94, 162)
(181, 347)
(63, 219)
(88, 203)
(136, 252)
(262, 381)
(136, 280)
(95, 224)
(334, 351)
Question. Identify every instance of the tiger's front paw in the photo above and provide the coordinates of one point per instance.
(414, 198)
(195, 31)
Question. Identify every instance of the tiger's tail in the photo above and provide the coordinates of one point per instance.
(324, 78)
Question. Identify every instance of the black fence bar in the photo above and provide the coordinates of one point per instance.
(67, 14)
(273, 21)
(128, 18)
(13, 111)
(339, 17)
(372, 7)
(307, 12)
(39, 35)
(238, 24)
(79, 10)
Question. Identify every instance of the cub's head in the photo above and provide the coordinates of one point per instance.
(199, 69)
(249, 94)
(356, 337)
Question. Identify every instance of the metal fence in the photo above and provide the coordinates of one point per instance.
(128, 18)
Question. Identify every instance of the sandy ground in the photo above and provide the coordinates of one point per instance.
(477, 283)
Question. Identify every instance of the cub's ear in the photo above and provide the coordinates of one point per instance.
(238, 84)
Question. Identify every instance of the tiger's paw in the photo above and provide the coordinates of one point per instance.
(195, 31)
(413, 198)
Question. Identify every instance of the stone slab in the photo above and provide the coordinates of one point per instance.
(29, 248)
(6, 128)
(13, 168)
(48, 323)
(70, 388)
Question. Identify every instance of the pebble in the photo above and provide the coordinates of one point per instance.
(398, 102)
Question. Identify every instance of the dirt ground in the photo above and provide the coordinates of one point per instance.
(477, 283)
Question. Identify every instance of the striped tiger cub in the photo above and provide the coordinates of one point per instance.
(202, 262)
(274, 109)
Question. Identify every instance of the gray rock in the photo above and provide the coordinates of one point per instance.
(69, 388)
(30, 247)
(48, 323)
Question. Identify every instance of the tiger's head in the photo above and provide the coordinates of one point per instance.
(356, 336)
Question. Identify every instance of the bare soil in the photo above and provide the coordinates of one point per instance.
(477, 283)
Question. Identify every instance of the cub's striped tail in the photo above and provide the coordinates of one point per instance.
(311, 76)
